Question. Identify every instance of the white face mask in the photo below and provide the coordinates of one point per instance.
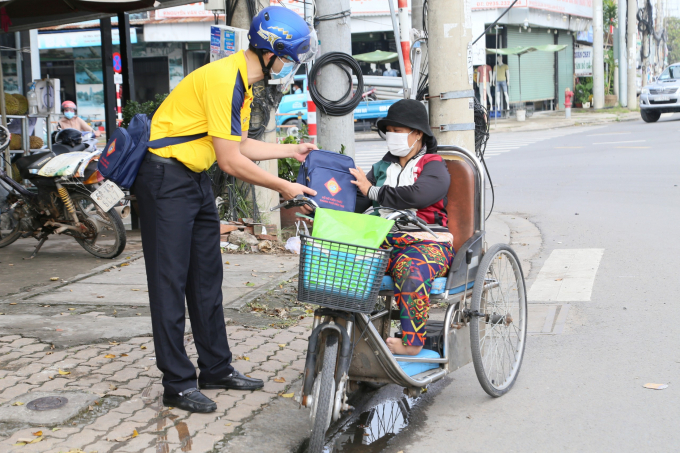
(397, 143)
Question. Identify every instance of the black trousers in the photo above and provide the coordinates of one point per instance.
(181, 242)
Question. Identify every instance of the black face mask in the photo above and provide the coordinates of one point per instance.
(266, 69)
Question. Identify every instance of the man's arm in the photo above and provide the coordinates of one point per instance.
(230, 160)
(257, 150)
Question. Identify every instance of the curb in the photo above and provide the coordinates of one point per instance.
(23, 296)
(596, 123)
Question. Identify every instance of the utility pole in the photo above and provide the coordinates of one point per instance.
(335, 35)
(450, 68)
(631, 43)
(598, 56)
(623, 66)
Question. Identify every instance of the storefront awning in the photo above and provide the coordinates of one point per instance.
(377, 56)
(526, 49)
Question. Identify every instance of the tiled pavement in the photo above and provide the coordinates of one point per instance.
(131, 392)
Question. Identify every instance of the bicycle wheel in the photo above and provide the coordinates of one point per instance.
(324, 391)
(498, 325)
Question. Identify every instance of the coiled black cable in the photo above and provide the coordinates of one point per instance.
(338, 107)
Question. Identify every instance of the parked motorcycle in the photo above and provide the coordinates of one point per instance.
(69, 197)
(72, 140)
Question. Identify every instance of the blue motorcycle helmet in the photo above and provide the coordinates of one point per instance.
(282, 32)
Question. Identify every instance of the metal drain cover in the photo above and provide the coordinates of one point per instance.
(47, 403)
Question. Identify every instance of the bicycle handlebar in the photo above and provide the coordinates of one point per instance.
(299, 200)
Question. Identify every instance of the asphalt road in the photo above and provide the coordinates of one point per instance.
(610, 189)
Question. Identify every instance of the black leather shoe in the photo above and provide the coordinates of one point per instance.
(235, 381)
(191, 400)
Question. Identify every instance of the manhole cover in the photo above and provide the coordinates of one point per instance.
(47, 403)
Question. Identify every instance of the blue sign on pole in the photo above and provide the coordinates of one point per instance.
(117, 62)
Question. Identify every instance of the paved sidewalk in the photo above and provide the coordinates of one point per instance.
(551, 120)
(89, 340)
(545, 120)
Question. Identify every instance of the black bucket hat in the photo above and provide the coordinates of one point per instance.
(407, 113)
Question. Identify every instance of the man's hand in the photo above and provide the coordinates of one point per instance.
(303, 149)
(361, 181)
(291, 190)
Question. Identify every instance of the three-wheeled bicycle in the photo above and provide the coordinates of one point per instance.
(485, 322)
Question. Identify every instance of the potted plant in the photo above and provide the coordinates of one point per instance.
(582, 93)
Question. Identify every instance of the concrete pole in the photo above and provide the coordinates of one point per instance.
(417, 14)
(334, 36)
(598, 56)
(623, 66)
(450, 66)
(632, 54)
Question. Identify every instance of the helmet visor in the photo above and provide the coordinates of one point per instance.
(305, 50)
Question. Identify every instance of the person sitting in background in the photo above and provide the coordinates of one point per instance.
(411, 176)
(72, 121)
(296, 89)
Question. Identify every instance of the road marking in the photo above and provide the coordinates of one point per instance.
(614, 143)
(568, 275)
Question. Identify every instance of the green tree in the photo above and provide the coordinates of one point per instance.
(609, 13)
(673, 43)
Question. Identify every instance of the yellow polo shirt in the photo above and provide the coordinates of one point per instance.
(215, 98)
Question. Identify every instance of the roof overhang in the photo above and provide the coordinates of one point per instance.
(32, 14)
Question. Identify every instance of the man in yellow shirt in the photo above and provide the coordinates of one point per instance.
(179, 220)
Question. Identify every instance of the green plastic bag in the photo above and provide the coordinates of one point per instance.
(357, 229)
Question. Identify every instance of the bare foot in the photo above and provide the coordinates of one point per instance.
(396, 346)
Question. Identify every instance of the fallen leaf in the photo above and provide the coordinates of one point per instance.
(123, 355)
(12, 303)
(55, 429)
(11, 264)
(64, 373)
(54, 279)
(655, 386)
(51, 346)
(254, 275)
(71, 309)
(558, 279)
(49, 353)
(279, 380)
(142, 347)
(288, 395)
(50, 377)
(135, 289)
(250, 284)
(113, 387)
(109, 356)
(37, 433)
(138, 314)
(114, 343)
(100, 297)
(226, 262)
(227, 424)
(90, 408)
(124, 264)
(281, 345)
(46, 306)
(18, 403)
(135, 433)
(59, 330)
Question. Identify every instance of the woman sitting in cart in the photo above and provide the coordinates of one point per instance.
(410, 176)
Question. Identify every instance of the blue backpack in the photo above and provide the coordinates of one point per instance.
(127, 147)
(328, 173)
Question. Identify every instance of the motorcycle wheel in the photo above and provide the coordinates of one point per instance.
(7, 237)
(110, 240)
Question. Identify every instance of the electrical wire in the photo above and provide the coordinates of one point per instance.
(337, 107)
(334, 16)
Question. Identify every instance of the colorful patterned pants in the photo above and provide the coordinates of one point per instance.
(414, 264)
